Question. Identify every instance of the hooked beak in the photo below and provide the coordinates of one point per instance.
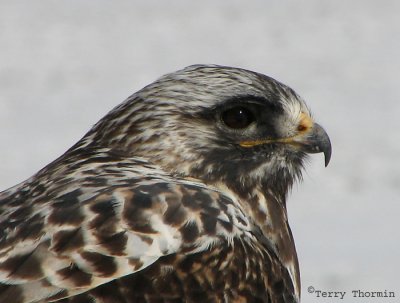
(315, 140)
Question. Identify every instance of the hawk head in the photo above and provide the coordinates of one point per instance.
(242, 132)
(214, 148)
(221, 125)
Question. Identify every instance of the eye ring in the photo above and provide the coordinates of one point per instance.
(238, 117)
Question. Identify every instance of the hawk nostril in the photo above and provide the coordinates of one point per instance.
(302, 127)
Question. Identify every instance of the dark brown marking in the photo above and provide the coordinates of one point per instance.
(38, 189)
(21, 212)
(136, 218)
(67, 240)
(142, 227)
(147, 239)
(142, 200)
(23, 267)
(67, 215)
(68, 199)
(190, 202)
(103, 207)
(222, 258)
(212, 211)
(62, 294)
(234, 279)
(227, 225)
(11, 294)
(261, 216)
(104, 222)
(223, 203)
(241, 220)
(193, 284)
(75, 275)
(209, 223)
(30, 229)
(278, 286)
(115, 244)
(104, 265)
(109, 293)
(175, 214)
(96, 181)
(136, 263)
(169, 287)
(189, 231)
(168, 259)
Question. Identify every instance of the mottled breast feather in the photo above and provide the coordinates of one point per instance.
(180, 237)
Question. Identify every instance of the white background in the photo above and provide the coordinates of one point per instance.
(64, 64)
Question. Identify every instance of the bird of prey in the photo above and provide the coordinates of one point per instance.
(177, 195)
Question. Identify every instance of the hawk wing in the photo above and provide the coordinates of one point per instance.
(79, 239)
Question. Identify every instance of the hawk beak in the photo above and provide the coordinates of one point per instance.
(315, 140)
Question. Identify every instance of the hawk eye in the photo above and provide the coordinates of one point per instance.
(238, 117)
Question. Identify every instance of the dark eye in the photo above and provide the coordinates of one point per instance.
(238, 117)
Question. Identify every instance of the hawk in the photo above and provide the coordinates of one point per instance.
(177, 195)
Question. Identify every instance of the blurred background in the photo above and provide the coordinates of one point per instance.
(65, 64)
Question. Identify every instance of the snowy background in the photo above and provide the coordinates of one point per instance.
(65, 64)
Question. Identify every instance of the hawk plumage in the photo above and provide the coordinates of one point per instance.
(176, 195)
